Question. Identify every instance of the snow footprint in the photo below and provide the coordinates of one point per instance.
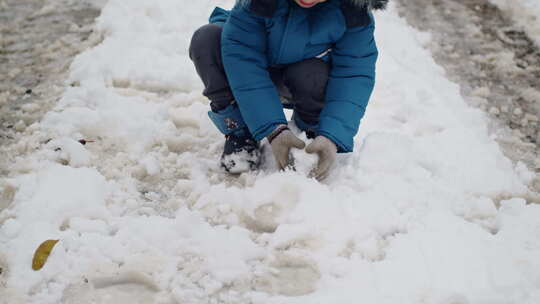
(7, 196)
(289, 276)
(4, 271)
(441, 297)
(264, 219)
(129, 287)
(263, 213)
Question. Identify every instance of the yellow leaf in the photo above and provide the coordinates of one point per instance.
(42, 254)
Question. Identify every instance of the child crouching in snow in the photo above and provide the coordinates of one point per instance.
(318, 54)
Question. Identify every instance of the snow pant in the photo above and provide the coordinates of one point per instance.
(302, 83)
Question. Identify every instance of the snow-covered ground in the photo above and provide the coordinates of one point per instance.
(495, 64)
(526, 13)
(427, 209)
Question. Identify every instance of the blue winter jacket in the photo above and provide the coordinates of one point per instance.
(258, 34)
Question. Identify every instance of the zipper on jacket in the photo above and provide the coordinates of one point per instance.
(285, 34)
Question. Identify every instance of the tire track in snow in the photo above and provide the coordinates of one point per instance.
(38, 40)
(496, 65)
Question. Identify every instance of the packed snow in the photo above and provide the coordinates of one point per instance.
(525, 13)
(426, 210)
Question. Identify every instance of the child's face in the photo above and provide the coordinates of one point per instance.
(308, 3)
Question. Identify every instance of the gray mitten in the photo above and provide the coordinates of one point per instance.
(282, 140)
(327, 152)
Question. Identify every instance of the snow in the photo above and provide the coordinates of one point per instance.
(427, 209)
(304, 162)
(525, 13)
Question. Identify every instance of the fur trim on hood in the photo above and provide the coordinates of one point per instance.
(373, 4)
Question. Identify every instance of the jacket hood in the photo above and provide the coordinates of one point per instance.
(373, 4)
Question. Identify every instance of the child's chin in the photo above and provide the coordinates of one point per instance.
(303, 5)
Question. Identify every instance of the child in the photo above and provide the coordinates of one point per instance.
(318, 54)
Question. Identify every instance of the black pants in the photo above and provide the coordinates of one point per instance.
(303, 83)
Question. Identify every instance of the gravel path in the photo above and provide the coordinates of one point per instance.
(494, 62)
(38, 40)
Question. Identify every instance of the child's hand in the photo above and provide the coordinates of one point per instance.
(327, 152)
(282, 140)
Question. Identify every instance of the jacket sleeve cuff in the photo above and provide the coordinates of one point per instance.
(267, 129)
(332, 129)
